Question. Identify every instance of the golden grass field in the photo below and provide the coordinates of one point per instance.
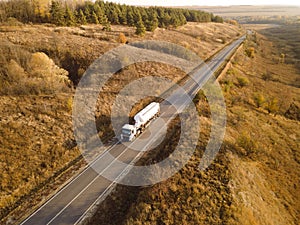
(37, 143)
(255, 178)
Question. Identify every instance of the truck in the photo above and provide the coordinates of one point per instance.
(141, 120)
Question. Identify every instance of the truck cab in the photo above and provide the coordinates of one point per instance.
(128, 132)
(142, 120)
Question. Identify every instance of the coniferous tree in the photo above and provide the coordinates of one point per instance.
(88, 13)
(130, 17)
(81, 18)
(106, 24)
(36, 11)
(95, 18)
(99, 13)
(140, 28)
(56, 13)
(69, 17)
(152, 22)
(218, 19)
(114, 16)
(122, 16)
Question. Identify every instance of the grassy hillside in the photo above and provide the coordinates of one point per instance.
(255, 178)
(36, 141)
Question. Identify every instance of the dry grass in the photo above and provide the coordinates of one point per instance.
(35, 143)
(36, 136)
(254, 179)
(264, 181)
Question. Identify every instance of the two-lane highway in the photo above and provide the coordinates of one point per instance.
(72, 202)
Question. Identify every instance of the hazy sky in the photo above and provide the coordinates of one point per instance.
(207, 2)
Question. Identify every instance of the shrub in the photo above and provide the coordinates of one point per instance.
(272, 106)
(122, 38)
(228, 85)
(15, 72)
(233, 22)
(42, 66)
(70, 104)
(259, 100)
(11, 21)
(250, 52)
(231, 71)
(246, 142)
(267, 76)
(243, 81)
(31, 74)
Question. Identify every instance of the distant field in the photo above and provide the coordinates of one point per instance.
(287, 38)
(234, 11)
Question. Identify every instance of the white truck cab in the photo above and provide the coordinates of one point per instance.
(128, 132)
(142, 120)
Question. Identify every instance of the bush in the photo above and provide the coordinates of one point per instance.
(228, 85)
(243, 81)
(250, 52)
(122, 38)
(231, 71)
(267, 76)
(31, 74)
(259, 100)
(272, 106)
(11, 21)
(246, 142)
(15, 71)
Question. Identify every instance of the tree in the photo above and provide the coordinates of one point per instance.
(106, 24)
(130, 17)
(38, 11)
(140, 28)
(152, 22)
(122, 15)
(69, 17)
(99, 13)
(95, 18)
(56, 13)
(88, 14)
(218, 19)
(166, 20)
(81, 18)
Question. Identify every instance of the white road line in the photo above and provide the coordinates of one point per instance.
(107, 152)
(67, 184)
(115, 159)
(118, 177)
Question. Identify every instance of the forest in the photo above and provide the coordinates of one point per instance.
(73, 13)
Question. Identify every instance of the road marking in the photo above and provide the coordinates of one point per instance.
(115, 159)
(225, 52)
(68, 184)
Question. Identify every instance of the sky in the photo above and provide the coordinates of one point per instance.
(207, 2)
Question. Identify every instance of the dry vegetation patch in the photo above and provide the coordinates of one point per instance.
(265, 153)
(36, 142)
(255, 178)
(35, 124)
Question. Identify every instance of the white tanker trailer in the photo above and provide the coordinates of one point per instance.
(142, 120)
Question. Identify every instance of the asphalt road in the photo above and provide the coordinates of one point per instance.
(73, 201)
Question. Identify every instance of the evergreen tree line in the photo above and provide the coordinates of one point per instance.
(70, 13)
